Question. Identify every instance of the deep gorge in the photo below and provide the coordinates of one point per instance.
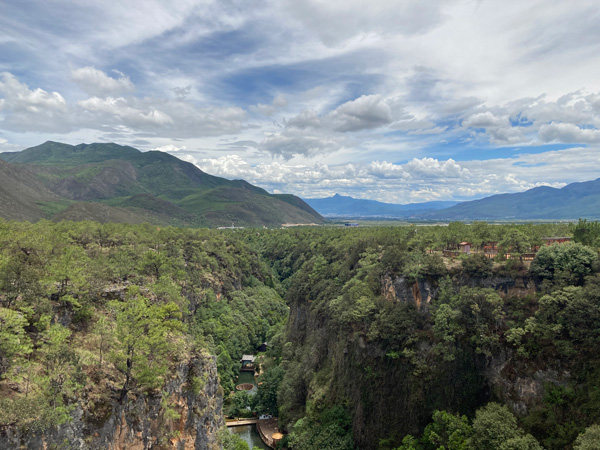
(121, 336)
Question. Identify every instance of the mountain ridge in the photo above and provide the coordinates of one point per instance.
(346, 206)
(573, 201)
(109, 180)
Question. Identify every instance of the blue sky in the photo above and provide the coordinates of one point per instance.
(403, 101)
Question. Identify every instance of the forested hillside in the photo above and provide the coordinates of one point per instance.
(389, 345)
(111, 335)
(131, 335)
(113, 183)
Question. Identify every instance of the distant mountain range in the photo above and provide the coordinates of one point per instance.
(110, 182)
(576, 200)
(349, 207)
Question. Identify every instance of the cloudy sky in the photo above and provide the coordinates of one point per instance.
(399, 101)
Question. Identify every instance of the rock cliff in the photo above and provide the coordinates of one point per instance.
(186, 414)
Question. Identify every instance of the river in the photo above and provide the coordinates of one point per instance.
(249, 434)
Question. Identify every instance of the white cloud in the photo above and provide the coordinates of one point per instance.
(485, 120)
(367, 111)
(26, 108)
(279, 102)
(120, 108)
(97, 83)
(420, 179)
(337, 20)
(18, 97)
(335, 90)
(169, 148)
(568, 132)
(292, 143)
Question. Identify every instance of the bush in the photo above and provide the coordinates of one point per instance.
(564, 263)
(477, 265)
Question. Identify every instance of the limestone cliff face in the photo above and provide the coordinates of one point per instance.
(401, 289)
(420, 292)
(191, 420)
(388, 394)
(520, 386)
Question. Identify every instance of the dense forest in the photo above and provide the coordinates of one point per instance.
(115, 333)
(94, 317)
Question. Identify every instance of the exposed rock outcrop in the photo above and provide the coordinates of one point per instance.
(186, 414)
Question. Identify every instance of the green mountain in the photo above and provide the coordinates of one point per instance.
(110, 182)
(576, 200)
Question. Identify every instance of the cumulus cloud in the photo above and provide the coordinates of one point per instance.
(310, 133)
(97, 83)
(420, 179)
(568, 132)
(24, 108)
(34, 110)
(18, 97)
(367, 111)
(290, 144)
(362, 113)
(485, 120)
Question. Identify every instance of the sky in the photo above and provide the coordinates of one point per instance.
(396, 101)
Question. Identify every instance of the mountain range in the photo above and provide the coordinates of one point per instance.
(576, 200)
(110, 182)
(573, 201)
(348, 207)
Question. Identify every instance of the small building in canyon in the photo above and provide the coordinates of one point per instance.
(248, 363)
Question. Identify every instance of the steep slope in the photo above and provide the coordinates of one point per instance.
(344, 206)
(571, 202)
(22, 195)
(120, 183)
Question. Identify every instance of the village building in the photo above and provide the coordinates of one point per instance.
(556, 240)
(465, 247)
(490, 249)
(248, 363)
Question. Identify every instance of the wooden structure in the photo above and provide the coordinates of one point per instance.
(248, 363)
(240, 422)
(269, 431)
(556, 240)
(522, 256)
(490, 249)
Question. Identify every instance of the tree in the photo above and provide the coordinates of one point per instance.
(231, 441)
(14, 341)
(589, 439)
(477, 265)
(568, 263)
(147, 336)
(267, 390)
(448, 431)
(587, 233)
(516, 243)
(495, 426)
